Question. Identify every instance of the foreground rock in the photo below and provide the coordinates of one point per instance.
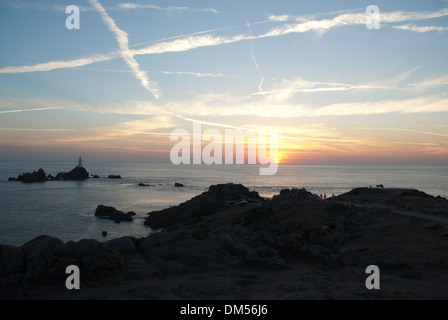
(111, 213)
(43, 261)
(216, 199)
(398, 198)
(293, 247)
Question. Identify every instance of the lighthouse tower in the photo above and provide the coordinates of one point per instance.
(80, 162)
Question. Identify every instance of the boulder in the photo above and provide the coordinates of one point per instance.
(179, 185)
(111, 213)
(113, 176)
(39, 246)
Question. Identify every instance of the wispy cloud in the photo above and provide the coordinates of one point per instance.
(28, 110)
(132, 6)
(61, 64)
(408, 130)
(199, 40)
(254, 59)
(34, 5)
(420, 29)
(430, 83)
(126, 53)
(285, 90)
(196, 74)
(35, 129)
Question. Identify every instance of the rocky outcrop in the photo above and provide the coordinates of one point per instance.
(292, 247)
(78, 173)
(111, 213)
(44, 259)
(114, 176)
(300, 194)
(143, 184)
(36, 176)
(214, 200)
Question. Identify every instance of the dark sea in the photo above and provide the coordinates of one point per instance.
(65, 209)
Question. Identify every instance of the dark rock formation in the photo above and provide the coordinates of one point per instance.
(113, 214)
(290, 248)
(78, 173)
(96, 176)
(112, 176)
(36, 176)
(143, 184)
(178, 184)
(44, 259)
(300, 194)
(214, 200)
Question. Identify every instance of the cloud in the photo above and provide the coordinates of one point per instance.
(199, 40)
(28, 110)
(430, 83)
(422, 29)
(125, 53)
(60, 64)
(196, 74)
(408, 130)
(35, 129)
(33, 5)
(263, 108)
(285, 90)
(132, 6)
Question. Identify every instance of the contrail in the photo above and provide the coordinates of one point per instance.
(408, 130)
(254, 59)
(25, 110)
(197, 40)
(126, 53)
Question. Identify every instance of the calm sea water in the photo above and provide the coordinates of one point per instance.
(65, 209)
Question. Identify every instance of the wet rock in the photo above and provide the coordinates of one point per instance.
(111, 213)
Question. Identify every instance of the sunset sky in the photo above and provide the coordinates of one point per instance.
(134, 72)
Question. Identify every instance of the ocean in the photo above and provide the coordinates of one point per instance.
(65, 209)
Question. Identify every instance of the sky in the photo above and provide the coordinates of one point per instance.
(337, 90)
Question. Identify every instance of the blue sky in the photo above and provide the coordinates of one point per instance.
(135, 71)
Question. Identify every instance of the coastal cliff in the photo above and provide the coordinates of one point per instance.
(229, 243)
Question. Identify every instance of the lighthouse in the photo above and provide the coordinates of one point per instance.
(80, 162)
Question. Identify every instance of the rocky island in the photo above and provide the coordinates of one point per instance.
(77, 173)
(230, 243)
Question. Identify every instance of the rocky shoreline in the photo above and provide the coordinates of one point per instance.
(230, 243)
